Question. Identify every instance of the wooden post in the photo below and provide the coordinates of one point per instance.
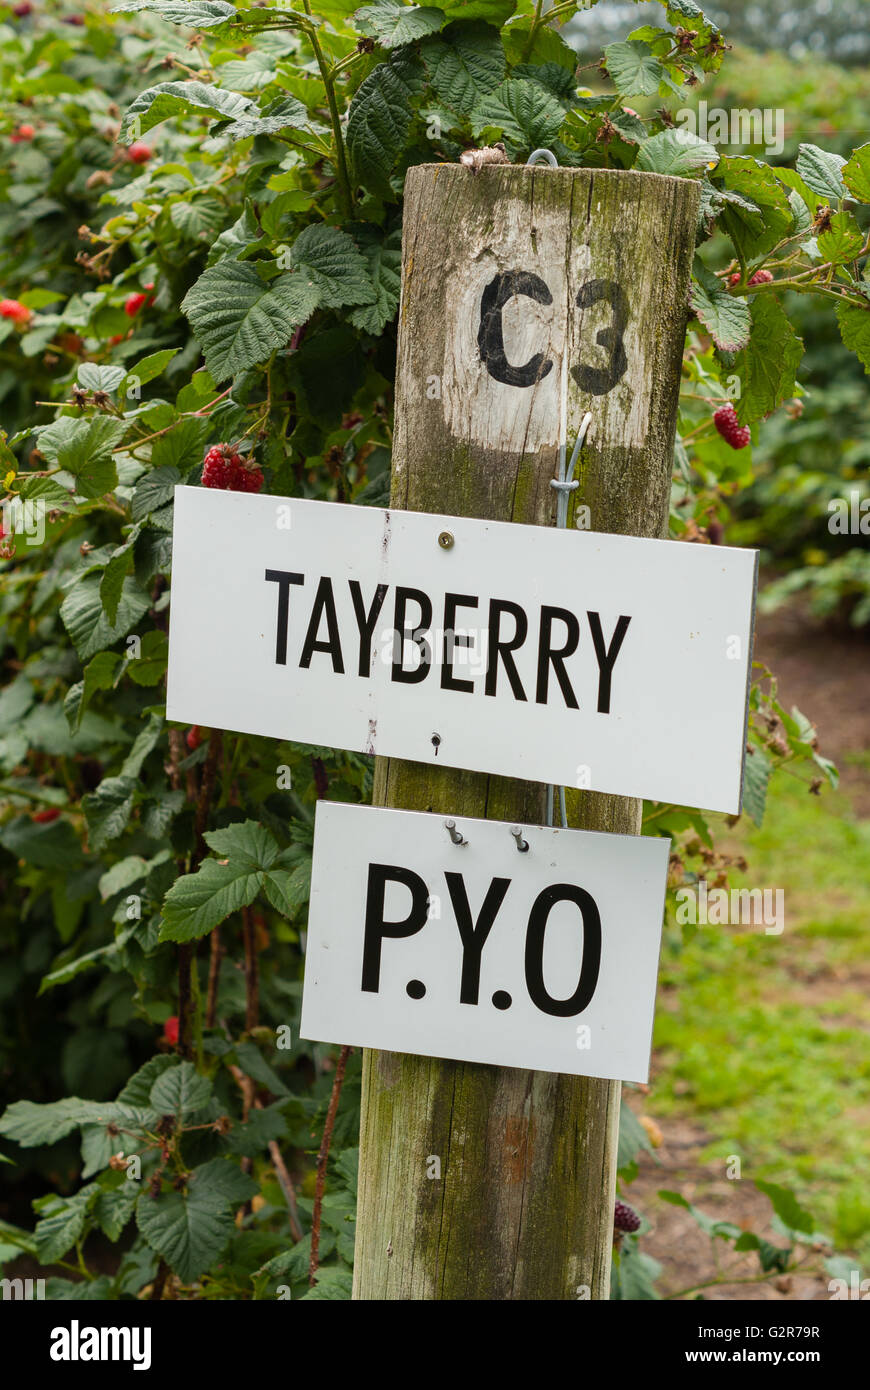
(529, 296)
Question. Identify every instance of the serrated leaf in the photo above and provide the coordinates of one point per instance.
(384, 264)
(856, 174)
(843, 240)
(332, 265)
(558, 80)
(240, 320)
(63, 1224)
(149, 667)
(113, 1209)
(756, 776)
(757, 228)
(821, 171)
(633, 68)
(196, 14)
(286, 114)
(188, 1229)
(112, 582)
(725, 317)
(101, 673)
(198, 902)
(380, 119)
(394, 24)
(94, 377)
(465, 63)
(84, 448)
(855, 331)
(525, 114)
(198, 219)
(179, 1091)
(154, 491)
(167, 99)
(85, 621)
(677, 152)
(787, 1207)
(53, 845)
(108, 809)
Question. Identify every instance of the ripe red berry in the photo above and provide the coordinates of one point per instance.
(22, 9)
(625, 1218)
(75, 19)
(223, 468)
(726, 422)
(139, 152)
(170, 1030)
(15, 310)
(193, 738)
(761, 277)
(22, 133)
(133, 303)
(49, 814)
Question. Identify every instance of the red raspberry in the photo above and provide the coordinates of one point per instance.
(133, 303)
(625, 1218)
(761, 277)
(49, 814)
(13, 309)
(22, 9)
(139, 152)
(224, 468)
(24, 132)
(726, 422)
(115, 339)
(170, 1030)
(193, 738)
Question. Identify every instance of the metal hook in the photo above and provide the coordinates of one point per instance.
(455, 835)
(522, 845)
(546, 155)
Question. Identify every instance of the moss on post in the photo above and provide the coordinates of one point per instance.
(523, 1207)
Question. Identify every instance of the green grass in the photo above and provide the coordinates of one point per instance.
(765, 1040)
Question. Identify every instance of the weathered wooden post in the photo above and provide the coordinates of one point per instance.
(529, 296)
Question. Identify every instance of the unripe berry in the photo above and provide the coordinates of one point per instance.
(726, 422)
(761, 277)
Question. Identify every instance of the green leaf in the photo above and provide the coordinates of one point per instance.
(196, 14)
(32, 1125)
(523, 112)
(188, 1229)
(393, 24)
(856, 174)
(167, 99)
(198, 902)
(633, 69)
(113, 1209)
(149, 667)
(155, 490)
(379, 121)
(138, 1089)
(96, 378)
(756, 777)
(465, 63)
(725, 317)
(843, 240)
(85, 621)
(329, 262)
(288, 889)
(50, 846)
(179, 1091)
(821, 171)
(147, 369)
(198, 219)
(384, 265)
(84, 448)
(767, 366)
(757, 227)
(225, 1179)
(787, 1207)
(112, 582)
(854, 324)
(108, 810)
(240, 320)
(677, 152)
(62, 1224)
(633, 1138)
(492, 11)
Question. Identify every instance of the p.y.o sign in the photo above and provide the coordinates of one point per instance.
(472, 939)
(589, 660)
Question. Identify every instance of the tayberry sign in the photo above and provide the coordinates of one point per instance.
(516, 945)
(603, 662)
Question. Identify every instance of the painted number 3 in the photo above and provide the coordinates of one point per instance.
(593, 381)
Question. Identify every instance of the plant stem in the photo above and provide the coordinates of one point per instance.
(322, 1160)
(335, 119)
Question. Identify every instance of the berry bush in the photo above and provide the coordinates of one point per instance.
(200, 256)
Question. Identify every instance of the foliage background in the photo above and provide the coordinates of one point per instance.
(151, 874)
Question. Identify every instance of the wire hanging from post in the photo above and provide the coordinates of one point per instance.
(564, 485)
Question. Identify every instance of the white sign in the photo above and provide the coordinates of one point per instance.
(460, 943)
(582, 659)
